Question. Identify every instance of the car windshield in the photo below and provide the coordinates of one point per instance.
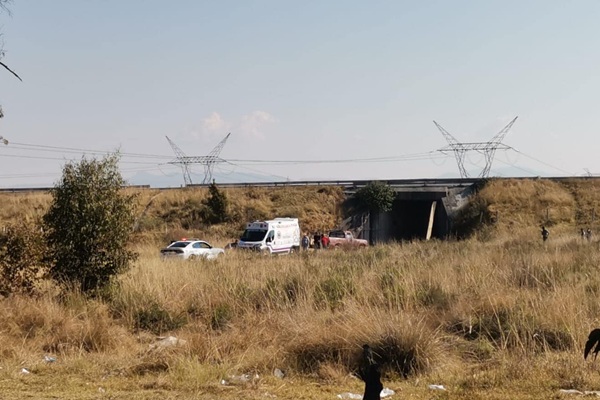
(253, 235)
(337, 234)
(179, 244)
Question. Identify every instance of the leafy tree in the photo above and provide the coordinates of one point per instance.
(22, 250)
(89, 223)
(376, 196)
(216, 205)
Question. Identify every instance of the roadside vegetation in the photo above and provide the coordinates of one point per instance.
(496, 315)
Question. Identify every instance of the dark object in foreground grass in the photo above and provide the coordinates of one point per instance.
(369, 373)
(593, 339)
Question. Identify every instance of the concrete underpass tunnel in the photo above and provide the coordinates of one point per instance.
(414, 216)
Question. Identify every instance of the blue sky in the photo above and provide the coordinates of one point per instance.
(311, 80)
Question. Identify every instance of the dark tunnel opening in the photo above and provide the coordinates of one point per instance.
(410, 219)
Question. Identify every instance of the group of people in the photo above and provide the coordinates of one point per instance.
(586, 234)
(320, 241)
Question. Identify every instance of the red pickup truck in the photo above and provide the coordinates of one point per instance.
(345, 238)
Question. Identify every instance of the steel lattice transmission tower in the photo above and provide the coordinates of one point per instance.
(208, 161)
(488, 149)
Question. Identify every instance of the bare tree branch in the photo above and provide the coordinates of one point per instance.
(11, 71)
(4, 6)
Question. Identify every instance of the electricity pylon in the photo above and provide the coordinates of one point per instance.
(487, 148)
(207, 161)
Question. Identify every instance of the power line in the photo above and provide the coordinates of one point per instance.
(58, 149)
(258, 171)
(39, 147)
(154, 164)
(517, 167)
(542, 162)
(32, 175)
(67, 159)
(407, 157)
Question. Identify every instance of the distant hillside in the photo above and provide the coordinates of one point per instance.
(178, 212)
(515, 205)
(500, 206)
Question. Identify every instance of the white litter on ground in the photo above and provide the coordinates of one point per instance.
(348, 395)
(570, 391)
(233, 379)
(437, 387)
(384, 393)
(580, 393)
(169, 341)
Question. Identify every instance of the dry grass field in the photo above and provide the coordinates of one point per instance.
(499, 315)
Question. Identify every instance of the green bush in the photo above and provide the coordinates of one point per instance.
(22, 249)
(88, 225)
(376, 196)
(216, 205)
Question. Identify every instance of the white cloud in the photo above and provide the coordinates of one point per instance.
(210, 128)
(253, 125)
(214, 123)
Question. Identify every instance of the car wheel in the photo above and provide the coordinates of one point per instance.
(193, 257)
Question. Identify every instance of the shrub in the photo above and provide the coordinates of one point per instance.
(216, 205)
(21, 259)
(88, 224)
(376, 196)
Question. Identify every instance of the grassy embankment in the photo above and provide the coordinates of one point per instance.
(497, 316)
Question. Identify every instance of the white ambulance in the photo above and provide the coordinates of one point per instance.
(276, 236)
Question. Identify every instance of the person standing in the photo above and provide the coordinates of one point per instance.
(545, 233)
(324, 241)
(317, 241)
(305, 242)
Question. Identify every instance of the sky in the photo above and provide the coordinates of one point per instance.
(309, 90)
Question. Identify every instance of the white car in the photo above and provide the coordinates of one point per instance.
(191, 249)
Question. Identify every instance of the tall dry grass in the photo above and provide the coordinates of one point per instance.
(422, 305)
(490, 319)
(23, 206)
(174, 213)
(431, 310)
